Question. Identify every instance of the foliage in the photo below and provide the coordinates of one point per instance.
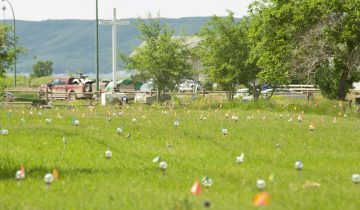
(224, 52)
(269, 34)
(42, 69)
(6, 49)
(161, 57)
(327, 78)
(8, 52)
(306, 40)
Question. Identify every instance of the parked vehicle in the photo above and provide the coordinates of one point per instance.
(243, 94)
(83, 79)
(142, 96)
(65, 87)
(8, 96)
(189, 86)
(283, 92)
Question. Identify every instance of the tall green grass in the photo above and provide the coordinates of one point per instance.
(197, 148)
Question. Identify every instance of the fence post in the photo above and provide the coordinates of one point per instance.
(46, 95)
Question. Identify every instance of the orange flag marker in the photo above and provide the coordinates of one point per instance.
(22, 169)
(55, 174)
(261, 199)
(196, 188)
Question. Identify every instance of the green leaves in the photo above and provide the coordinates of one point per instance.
(224, 51)
(162, 57)
(6, 49)
(295, 39)
(42, 69)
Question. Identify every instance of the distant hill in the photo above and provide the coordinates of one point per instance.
(70, 44)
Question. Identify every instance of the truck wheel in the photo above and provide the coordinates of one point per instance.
(72, 96)
(42, 94)
(88, 88)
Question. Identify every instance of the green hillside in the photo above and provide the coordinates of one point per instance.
(71, 43)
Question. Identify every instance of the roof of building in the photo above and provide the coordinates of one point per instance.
(191, 41)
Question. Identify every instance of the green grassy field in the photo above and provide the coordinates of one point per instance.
(195, 149)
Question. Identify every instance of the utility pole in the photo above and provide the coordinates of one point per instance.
(97, 47)
(114, 23)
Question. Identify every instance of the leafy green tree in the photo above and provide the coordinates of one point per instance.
(161, 57)
(270, 34)
(42, 69)
(7, 54)
(224, 52)
(314, 40)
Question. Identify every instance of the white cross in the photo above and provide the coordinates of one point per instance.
(114, 22)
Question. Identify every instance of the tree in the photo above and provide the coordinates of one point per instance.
(6, 49)
(270, 33)
(314, 40)
(42, 69)
(224, 52)
(161, 57)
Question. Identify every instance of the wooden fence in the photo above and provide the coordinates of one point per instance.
(94, 97)
(301, 88)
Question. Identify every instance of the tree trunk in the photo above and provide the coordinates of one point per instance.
(230, 93)
(254, 92)
(342, 85)
(158, 94)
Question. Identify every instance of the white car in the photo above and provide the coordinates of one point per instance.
(243, 94)
(144, 92)
(189, 86)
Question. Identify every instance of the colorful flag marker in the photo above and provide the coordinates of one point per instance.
(156, 159)
(47, 120)
(240, 159)
(20, 174)
(300, 118)
(55, 174)
(207, 182)
(224, 131)
(176, 123)
(196, 188)
(261, 199)
(235, 118)
(22, 169)
(312, 127)
(271, 178)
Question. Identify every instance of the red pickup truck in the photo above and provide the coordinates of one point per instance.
(66, 87)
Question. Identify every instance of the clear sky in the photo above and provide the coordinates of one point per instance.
(85, 9)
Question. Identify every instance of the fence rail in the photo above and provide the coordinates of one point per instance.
(301, 88)
(94, 97)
